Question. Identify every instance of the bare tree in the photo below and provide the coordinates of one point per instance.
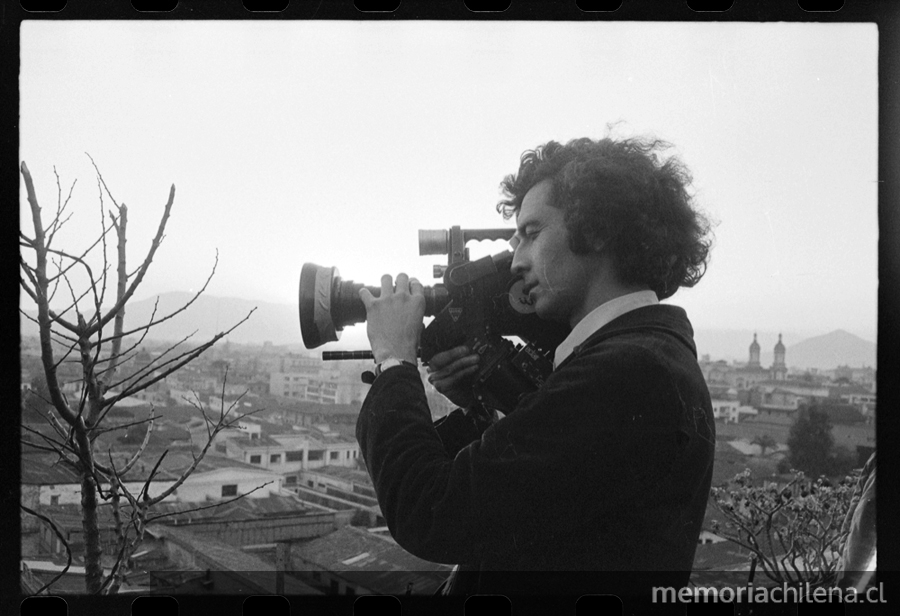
(91, 336)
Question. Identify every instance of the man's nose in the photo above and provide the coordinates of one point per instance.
(518, 266)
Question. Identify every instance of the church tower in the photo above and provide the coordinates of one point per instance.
(779, 368)
(754, 354)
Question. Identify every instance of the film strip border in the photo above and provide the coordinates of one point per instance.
(825, 10)
(300, 9)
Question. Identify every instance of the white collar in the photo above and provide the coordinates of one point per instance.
(600, 316)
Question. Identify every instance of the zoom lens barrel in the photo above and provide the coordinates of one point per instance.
(328, 304)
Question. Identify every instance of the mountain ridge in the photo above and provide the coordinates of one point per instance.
(280, 324)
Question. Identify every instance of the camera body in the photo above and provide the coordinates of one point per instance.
(479, 304)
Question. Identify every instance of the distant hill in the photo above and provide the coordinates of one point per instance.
(839, 348)
(824, 352)
(209, 315)
(280, 325)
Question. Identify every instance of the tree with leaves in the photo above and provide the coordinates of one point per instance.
(811, 443)
(88, 331)
(765, 441)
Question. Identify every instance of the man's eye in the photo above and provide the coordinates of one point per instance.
(527, 235)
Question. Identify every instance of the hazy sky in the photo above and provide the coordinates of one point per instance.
(334, 142)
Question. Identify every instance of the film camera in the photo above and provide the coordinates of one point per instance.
(477, 304)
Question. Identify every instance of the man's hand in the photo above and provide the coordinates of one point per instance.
(452, 374)
(394, 319)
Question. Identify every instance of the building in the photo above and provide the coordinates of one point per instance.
(213, 479)
(307, 414)
(752, 373)
(301, 364)
(731, 410)
(862, 376)
(348, 480)
(288, 453)
(333, 388)
(354, 561)
(222, 568)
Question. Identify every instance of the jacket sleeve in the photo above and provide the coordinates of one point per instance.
(457, 429)
(593, 437)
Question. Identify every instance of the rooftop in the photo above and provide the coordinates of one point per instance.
(781, 418)
(45, 468)
(221, 556)
(324, 409)
(181, 513)
(342, 472)
(269, 431)
(374, 562)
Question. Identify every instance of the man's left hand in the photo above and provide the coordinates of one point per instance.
(394, 319)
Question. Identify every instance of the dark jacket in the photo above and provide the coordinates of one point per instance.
(606, 468)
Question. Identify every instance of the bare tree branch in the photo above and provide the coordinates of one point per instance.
(79, 259)
(102, 224)
(121, 529)
(181, 309)
(145, 491)
(121, 282)
(55, 278)
(140, 450)
(217, 504)
(55, 224)
(188, 355)
(100, 177)
(92, 284)
(54, 446)
(62, 539)
(42, 302)
(143, 269)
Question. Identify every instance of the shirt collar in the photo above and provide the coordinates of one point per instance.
(600, 316)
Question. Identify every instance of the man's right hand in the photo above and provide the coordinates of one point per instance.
(453, 373)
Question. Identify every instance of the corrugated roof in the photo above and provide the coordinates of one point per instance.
(224, 557)
(241, 509)
(372, 561)
(45, 469)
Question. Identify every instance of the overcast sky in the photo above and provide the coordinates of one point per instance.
(334, 142)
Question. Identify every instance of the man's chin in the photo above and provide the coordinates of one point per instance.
(545, 312)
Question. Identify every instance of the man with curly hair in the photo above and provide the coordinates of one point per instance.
(598, 481)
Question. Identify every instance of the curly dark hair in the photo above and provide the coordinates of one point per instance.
(621, 195)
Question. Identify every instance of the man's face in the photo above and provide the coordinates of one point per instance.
(556, 279)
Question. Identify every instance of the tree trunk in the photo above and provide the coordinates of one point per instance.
(89, 523)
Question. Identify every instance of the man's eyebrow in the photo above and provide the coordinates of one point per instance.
(528, 222)
(530, 218)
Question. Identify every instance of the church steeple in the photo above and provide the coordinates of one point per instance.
(754, 353)
(779, 354)
(779, 368)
